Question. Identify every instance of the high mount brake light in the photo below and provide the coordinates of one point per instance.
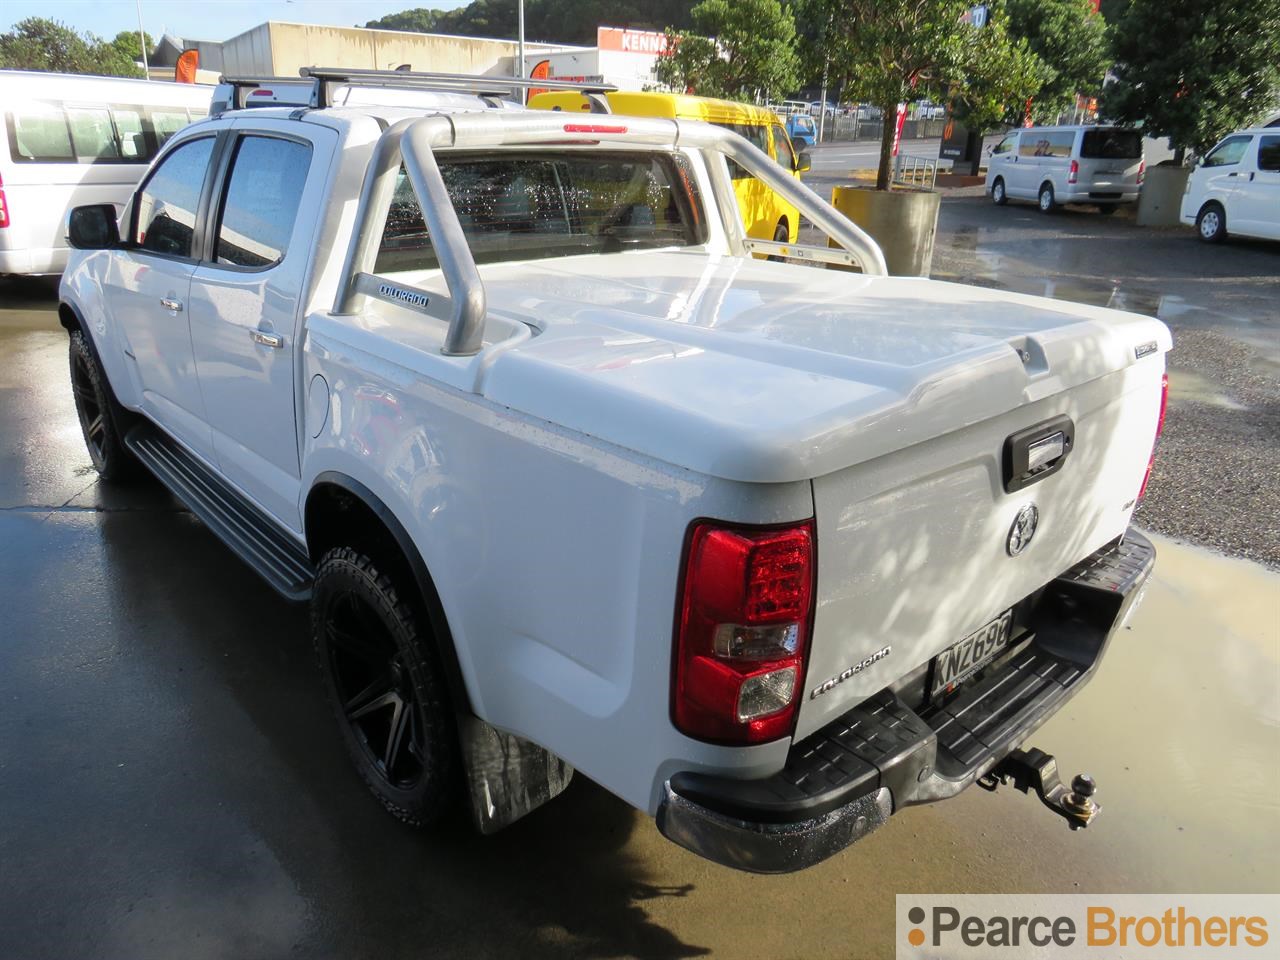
(593, 128)
(745, 616)
(1164, 404)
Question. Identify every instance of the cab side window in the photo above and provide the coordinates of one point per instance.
(786, 156)
(1230, 151)
(757, 135)
(1006, 145)
(260, 202)
(1269, 154)
(167, 204)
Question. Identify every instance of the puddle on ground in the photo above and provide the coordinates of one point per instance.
(1186, 385)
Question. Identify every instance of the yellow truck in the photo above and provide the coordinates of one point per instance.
(765, 215)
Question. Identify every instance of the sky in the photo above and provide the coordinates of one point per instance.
(206, 20)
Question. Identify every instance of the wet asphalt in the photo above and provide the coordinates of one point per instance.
(171, 783)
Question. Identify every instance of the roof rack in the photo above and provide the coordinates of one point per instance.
(314, 86)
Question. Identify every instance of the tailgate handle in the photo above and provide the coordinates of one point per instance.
(1037, 452)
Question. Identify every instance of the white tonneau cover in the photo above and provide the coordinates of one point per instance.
(768, 372)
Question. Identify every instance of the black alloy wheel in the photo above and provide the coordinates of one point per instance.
(375, 691)
(99, 414)
(385, 684)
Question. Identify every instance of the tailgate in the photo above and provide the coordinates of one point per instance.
(912, 546)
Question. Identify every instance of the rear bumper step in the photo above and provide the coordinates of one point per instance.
(884, 755)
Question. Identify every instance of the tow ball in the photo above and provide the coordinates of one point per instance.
(1034, 769)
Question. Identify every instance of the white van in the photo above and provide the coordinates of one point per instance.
(75, 140)
(1236, 187)
(1057, 165)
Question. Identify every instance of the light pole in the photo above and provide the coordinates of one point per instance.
(142, 41)
(520, 47)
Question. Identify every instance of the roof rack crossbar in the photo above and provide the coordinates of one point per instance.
(327, 78)
(314, 86)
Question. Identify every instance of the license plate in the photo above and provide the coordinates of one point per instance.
(958, 662)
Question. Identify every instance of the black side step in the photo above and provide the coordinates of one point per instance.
(254, 537)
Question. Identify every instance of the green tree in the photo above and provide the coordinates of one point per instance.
(120, 57)
(1071, 42)
(1195, 70)
(1002, 72)
(563, 21)
(886, 52)
(41, 44)
(738, 49)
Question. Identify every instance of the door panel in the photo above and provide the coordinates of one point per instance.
(244, 314)
(1259, 190)
(1221, 171)
(148, 287)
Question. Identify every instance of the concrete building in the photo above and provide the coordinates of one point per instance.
(624, 58)
(280, 49)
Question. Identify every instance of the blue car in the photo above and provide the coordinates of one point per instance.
(802, 130)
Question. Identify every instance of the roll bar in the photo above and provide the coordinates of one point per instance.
(414, 141)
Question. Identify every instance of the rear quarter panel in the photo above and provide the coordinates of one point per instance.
(556, 557)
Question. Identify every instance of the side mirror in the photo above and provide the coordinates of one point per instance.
(93, 227)
(991, 151)
(803, 161)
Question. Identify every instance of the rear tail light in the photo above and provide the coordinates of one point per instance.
(1164, 403)
(745, 616)
(4, 206)
(1074, 174)
(1142, 171)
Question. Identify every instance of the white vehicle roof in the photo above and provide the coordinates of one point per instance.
(38, 85)
(1072, 127)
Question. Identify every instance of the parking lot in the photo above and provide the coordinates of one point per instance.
(171, 784)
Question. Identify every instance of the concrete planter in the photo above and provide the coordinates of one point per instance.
(1161, 197)
(903, 222)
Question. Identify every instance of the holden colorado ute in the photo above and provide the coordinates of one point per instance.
(572, 480)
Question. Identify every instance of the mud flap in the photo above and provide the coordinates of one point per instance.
(1034, 769)
(507, 776)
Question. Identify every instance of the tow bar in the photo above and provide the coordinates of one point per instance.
(1035, 769)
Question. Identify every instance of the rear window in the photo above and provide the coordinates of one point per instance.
(1111, 145)
(536, 205)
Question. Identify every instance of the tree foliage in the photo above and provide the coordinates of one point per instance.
(738, 49)
(1072, 45)
(1195, 70)
(886, 52)
(560, 21)
(41, 44)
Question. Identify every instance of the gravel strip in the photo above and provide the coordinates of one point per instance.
(1216, 480)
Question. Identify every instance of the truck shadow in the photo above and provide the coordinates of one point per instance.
(561, 882)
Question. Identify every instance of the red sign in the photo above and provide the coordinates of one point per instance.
(631, 41)
(541, 71)
(185, 70)
(897, 129)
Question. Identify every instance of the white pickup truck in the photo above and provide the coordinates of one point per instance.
(573, 477)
